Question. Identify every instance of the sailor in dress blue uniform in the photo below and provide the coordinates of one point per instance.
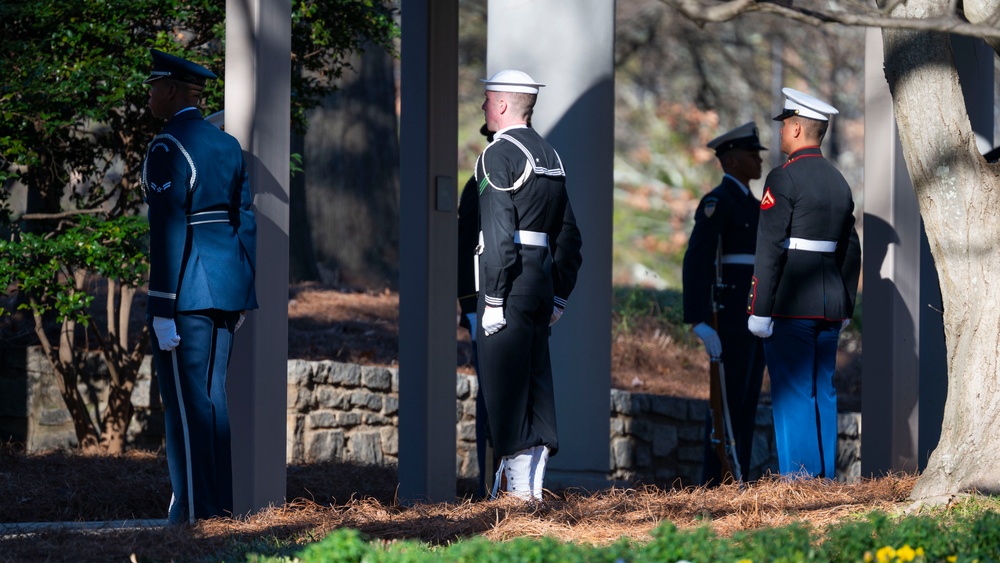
(202, 254)
(529, 257)
(806, 272)
(726, 225)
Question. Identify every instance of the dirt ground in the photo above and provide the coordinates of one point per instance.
(363, 327)
(322, 497)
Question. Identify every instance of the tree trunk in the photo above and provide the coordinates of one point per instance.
(352, 176)
(958, 194)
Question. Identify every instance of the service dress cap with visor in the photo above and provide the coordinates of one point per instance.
(166, 65)
(799, 104)
(745, 136)
(511, 81)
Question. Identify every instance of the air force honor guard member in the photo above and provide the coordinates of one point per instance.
(202, 252)
(806, 273)
(726, 225)
(528, 261)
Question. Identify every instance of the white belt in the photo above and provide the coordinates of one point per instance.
(811, 245)
(204, 217)
(531, 238)
(745, 259)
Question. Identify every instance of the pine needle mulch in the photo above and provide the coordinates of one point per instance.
(76, 488)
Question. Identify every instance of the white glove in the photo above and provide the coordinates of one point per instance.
(710, 338)
(239, 323)
(556, 315)
(472, 325)
(844, 323)
(760, 326)
(166, 333)
(493, 320)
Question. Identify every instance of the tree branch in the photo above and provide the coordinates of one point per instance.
(719, 12)
(60, 215)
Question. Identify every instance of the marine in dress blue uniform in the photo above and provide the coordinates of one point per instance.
(528, 263)
(727, 216)
(806, 272)
(202, 260)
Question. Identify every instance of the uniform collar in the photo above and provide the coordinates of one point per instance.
(187, 113)
(744, 189)
(505, 129)
(805, 151)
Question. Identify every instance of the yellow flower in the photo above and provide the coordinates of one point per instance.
(906, 553)
(745, 561)
(951, 558)
(920, 552)
(868, 557)
(885, 554)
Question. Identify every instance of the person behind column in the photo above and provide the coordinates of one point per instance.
(726, 218)
(528, 262)
(806, 271)
(468, 239)
(202, 252)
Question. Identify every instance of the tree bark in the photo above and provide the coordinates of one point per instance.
(352, 176)
(958, 194)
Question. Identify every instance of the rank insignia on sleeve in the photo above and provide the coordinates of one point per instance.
(165, 186)
(767, 202)
(710, 205)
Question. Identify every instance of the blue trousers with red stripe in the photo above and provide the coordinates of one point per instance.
(192, 380)
(801, 357)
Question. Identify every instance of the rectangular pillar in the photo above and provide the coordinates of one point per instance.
(428, 202)
(258, 110)
(569, 47)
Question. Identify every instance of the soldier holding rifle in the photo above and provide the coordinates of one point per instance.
(718, 267)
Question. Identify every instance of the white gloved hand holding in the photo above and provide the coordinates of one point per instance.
(166, 333)
(556, 315)
(710, 338)
(844, 323)
(493, 320)
(760, 326)
(472, 325)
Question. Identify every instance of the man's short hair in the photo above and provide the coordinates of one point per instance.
(522, 104)
(814, 128)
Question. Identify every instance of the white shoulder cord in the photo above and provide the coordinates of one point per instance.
(528, 168)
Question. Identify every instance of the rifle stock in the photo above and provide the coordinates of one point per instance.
(723, 439)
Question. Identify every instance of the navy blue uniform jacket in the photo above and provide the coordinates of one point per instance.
(731, 214)
(807, 198)
(541, 205)
(203, 235)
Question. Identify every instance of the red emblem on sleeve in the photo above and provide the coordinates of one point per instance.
(767, 202)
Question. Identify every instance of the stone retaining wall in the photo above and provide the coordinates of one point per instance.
(348, 412)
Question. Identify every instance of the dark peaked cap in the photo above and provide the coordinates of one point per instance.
(745, 136)
(170, 66)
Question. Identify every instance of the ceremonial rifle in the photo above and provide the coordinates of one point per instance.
(722, 436)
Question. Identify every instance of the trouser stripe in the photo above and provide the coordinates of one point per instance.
(187, 438)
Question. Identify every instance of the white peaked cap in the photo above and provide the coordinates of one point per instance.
(511, 81)
(804, 105)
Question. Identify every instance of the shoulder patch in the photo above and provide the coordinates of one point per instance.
(710, 204)
(767, 201)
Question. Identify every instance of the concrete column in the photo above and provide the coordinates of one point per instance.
(905, 362)
(428, 246)
(258, 79)
(569, 46)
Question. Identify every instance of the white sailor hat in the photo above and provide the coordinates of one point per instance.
(745, 136)
(804, 105)
(512, 81)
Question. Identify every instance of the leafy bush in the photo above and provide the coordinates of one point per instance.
(875, 537)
